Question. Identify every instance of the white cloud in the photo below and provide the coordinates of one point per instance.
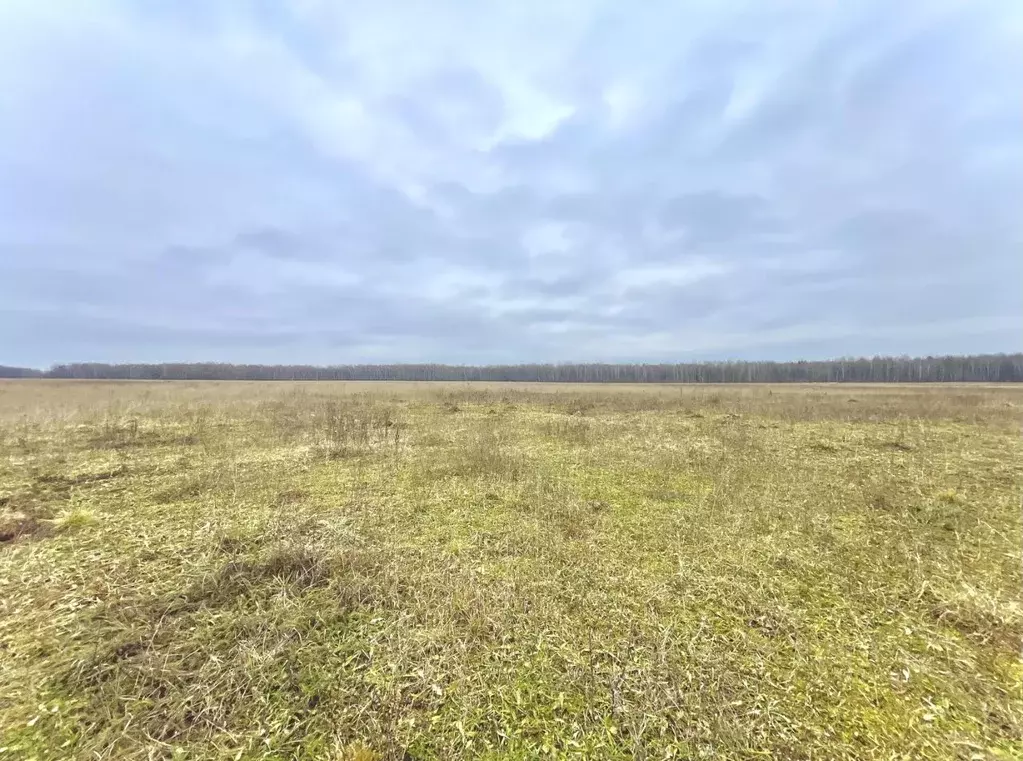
(682, 274)
(562, 181)
(547, 238)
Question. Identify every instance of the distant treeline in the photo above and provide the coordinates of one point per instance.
(985, 368)
(19, 372)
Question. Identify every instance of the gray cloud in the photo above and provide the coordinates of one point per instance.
(333, 183)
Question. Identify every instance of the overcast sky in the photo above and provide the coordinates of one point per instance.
(456, 181)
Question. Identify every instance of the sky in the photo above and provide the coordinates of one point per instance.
(509, 181)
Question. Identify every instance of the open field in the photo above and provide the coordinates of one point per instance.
(369, 571)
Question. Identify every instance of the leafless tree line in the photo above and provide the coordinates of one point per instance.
(985, 368)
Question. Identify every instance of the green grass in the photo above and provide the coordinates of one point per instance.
(341, 571)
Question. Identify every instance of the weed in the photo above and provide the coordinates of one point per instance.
(117, 434)
(351, 430)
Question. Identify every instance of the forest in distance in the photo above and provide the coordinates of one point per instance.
(981, 368)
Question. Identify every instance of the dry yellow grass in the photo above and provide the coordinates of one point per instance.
(502, 571)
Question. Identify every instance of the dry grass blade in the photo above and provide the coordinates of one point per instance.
(426, 572)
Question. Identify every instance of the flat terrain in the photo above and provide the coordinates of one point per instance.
(443, 571)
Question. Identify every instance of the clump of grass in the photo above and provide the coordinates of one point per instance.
(950, 497)
(979, 616)
(285, 419)
(193, 484)
(298, 565)
(75, 518)
(197, 425)
(824, 447)
(114, 433)
(575, 431)
(486, 453)
(348, 431)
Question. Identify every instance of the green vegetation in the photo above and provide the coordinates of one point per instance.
(401, 571)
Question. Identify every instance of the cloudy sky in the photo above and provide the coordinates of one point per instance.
(519, 180)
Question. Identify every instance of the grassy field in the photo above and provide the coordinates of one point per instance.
(402, 571)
